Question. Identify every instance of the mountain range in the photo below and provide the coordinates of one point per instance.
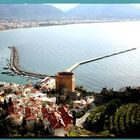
(29, 11)
(105, 10)
(44, 11)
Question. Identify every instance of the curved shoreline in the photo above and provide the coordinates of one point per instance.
(15, 67)
(71, 23)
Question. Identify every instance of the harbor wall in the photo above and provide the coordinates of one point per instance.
(15, 66)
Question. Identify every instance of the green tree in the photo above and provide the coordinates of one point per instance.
(5, 105)
(10, 103)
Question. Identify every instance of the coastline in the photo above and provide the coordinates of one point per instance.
(15, 66)
(70, 23)
(22, 78)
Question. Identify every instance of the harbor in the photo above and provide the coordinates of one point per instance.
(47, 58)
(95, 59)
(15, 66)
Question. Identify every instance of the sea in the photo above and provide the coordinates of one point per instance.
(53, 49)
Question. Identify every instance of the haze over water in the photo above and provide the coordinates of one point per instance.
(52, 49)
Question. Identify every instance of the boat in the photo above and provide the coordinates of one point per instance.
(5, 68)
(7, 59)
(5, 72)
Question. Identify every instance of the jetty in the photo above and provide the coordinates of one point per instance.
(15, 67)
(95, 59)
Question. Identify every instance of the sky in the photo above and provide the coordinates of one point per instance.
(64, 7)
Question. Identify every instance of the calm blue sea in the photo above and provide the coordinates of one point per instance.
(52, 49)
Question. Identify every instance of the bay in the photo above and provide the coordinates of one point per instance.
(52, 49)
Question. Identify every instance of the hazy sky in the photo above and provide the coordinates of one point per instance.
(64, 7)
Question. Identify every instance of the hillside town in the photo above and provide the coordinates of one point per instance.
(30, 105)
(46, 106)
(53, 106)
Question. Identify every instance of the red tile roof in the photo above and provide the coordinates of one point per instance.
(57, 114)
(31, 118)
(11, 109)
(63, 109)
(27, 111)
(67, 118)
(56, 120)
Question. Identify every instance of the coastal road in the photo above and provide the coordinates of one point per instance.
(79, 122)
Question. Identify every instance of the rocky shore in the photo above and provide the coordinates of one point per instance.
(15, 67)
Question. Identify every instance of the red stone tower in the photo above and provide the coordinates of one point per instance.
(65, 79)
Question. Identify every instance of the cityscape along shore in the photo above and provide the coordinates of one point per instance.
(56, 107)
(38, 105)
(6, 24)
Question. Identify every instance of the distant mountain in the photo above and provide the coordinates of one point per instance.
(29, 11)
(105, 10)
(42, 11)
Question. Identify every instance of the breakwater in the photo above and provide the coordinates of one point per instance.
(95, 59)
(15, 67)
